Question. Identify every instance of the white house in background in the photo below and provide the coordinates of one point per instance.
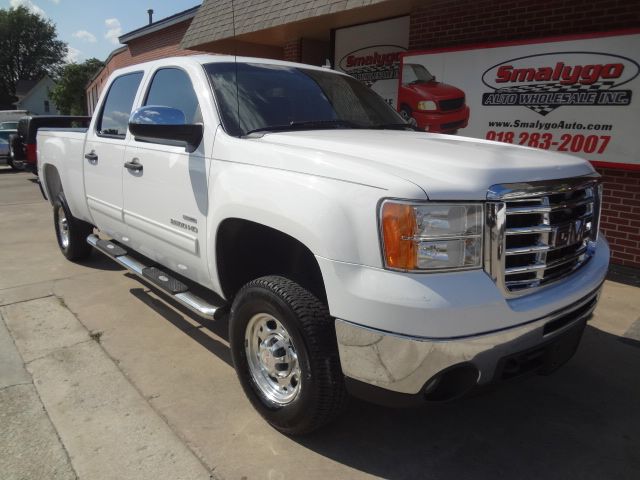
(36, 99)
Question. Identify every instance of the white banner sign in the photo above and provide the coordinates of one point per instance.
(571, 95)
(371, 53)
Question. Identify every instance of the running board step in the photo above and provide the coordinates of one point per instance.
(111, 249)
(164, 280)
(172, 287)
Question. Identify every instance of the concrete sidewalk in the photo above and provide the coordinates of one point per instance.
(80, 413)
(29, 444)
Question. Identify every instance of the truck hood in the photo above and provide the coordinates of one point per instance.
(446, 167)
(436, 91)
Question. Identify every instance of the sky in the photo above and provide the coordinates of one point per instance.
(91, 27)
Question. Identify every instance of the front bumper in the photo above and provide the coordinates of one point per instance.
(413, 365)
(442, 122)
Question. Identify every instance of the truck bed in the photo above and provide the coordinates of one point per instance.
(64, 149)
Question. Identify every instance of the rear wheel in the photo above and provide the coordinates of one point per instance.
(13, 151)
(10, 158)
(285, 354)
(71, 233)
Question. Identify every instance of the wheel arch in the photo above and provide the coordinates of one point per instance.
(51, 182)
(246, 250)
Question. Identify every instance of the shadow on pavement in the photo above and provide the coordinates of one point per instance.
(179, 320)
(8, 170)
(581, 422)
(101, 262)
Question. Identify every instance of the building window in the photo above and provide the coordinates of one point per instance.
(46, 106)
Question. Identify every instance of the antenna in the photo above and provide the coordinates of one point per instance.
(235, 58)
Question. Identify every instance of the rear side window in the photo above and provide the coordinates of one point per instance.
(171, 87)
(114, 118)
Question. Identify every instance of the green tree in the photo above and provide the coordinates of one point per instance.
(69, 93)
(29, 49)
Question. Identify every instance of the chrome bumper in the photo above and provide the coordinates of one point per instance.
(407, 364)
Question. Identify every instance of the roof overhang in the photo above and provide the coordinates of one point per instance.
(211, 30)
(159, 25)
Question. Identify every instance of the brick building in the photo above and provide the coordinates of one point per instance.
(320, 31)
(157, 40)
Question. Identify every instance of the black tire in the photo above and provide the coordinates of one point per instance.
(16, 147)
(407, 115)
(76, 246)
(322, 396)
(14, 151)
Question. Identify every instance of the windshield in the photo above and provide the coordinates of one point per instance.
(280, 97)
(415, 73)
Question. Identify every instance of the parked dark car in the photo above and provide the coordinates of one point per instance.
(5, 136)
(23, 143)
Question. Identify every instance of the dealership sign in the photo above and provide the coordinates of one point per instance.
(372, 64)
(566, 78)
(372, 53)
(574, 95)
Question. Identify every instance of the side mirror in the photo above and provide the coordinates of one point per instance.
(166, 125)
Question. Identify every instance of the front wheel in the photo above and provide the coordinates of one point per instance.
(71, 232)
(285, 353)
(407, 115)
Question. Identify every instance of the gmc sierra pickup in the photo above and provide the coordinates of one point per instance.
(354, 254)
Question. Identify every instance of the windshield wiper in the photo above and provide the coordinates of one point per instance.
(311, 125)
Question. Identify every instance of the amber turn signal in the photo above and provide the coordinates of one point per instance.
(398, 230)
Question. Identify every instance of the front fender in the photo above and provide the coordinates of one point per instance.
(333, 219)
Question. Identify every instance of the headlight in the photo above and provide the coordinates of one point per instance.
(427, 105)
(431, 236)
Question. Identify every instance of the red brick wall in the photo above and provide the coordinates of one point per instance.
(621, 214)
(293, 51)
(161, 44)
(445, 23)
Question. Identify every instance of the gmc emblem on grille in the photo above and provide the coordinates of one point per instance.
(569, 234)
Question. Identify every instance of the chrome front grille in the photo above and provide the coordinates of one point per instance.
(540, 232)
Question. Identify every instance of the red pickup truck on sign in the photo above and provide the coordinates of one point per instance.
(432, 105)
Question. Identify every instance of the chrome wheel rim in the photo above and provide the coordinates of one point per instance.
(63, 228)
(273, 360)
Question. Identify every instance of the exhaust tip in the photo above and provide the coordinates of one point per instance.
(452, 383)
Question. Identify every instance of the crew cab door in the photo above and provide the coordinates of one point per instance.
(104, 155)
(166, 188)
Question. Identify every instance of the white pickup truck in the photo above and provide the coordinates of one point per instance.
(354, 254)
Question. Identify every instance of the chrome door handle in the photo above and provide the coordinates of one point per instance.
(133, 165)
(91, 156)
